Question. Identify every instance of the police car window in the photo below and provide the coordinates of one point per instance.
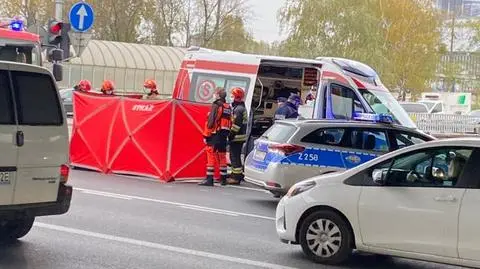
(6, 104)
(344, 102)
(370, 140)
(38, 102)
(331, 137)
(279, 133)
(406, 139)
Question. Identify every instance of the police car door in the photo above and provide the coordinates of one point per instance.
(338, 97)
(8, 147)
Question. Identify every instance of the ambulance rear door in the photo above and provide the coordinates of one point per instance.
(207, 71)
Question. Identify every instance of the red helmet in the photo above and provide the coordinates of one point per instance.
(238, 94)
(107, 85)
(150, 84)
(85, 85)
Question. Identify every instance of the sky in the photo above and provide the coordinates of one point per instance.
(263, 22)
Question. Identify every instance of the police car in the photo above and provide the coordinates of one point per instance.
(291, 151)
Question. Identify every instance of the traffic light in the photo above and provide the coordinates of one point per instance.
(54, 32)
(58, 36)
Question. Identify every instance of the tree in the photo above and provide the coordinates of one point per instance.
(34, 11)
(400, 39)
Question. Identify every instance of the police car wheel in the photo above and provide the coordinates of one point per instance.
(325, 237)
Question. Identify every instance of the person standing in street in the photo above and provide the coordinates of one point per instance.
(151, 86)
(238, 135)
(107, 87)
(290, 109)
(216, 132)
(83, 86)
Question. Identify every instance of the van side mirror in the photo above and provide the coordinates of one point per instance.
(379, 176)
(57, 72)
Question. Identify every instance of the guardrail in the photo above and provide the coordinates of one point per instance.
(446, 123)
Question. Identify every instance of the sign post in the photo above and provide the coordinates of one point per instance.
(81, 18)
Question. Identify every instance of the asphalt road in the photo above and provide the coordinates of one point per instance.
(119, 222)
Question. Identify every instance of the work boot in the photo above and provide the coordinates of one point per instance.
(223, 181)
(207, 182)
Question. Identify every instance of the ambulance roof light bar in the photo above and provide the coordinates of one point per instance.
(16, 23)
(380, 118)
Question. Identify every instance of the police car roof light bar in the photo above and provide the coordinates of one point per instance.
(381, 118)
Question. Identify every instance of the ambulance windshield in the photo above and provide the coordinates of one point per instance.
(21, 52)
(382, 102)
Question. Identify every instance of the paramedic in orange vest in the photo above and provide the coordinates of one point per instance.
(217, 130)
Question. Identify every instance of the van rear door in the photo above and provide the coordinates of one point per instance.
(8, 148)
(42, 122)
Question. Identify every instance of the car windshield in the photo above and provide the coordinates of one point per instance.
(415, 108)
(20, 52)
(429, 104)
(382, 102)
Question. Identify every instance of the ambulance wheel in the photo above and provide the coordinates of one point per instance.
(15, 229)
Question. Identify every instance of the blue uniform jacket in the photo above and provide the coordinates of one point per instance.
(286, 111)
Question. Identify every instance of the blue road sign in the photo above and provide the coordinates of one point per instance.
(81, 17)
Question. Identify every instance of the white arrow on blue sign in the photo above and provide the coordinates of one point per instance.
(81, 17)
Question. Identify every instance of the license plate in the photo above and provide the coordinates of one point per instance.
(259, 155)
(5, 178)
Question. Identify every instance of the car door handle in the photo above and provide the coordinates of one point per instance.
(448, 198)
(20, 138)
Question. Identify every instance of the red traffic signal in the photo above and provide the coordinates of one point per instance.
(55, 32)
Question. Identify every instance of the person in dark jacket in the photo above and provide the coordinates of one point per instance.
(289, 110)
(238, 135)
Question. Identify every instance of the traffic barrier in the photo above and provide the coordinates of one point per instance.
(160, 139)
(445, 123)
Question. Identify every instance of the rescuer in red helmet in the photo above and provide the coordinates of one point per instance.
(108, 87)
(150, 86)
(238, 135)
(216, 132)
(83, 86)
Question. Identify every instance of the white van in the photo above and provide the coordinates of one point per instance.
(34, 149)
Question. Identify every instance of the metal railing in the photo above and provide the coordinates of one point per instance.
(446, 123)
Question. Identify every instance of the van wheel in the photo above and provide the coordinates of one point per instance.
(325, 238)
(15, 229)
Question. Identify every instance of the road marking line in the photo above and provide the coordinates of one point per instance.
(247, 188)
(108, 195)
(141, 243)
(210, 211)
(176, 204)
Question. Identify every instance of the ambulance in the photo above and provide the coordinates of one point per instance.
(342, 87)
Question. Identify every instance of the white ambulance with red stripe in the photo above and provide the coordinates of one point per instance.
(267, 78)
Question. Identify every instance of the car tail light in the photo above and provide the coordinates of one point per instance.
(64, 171)
(287, 149)
(273, 184)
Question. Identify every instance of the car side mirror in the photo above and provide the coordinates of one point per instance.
(438, 173)
(379, 176)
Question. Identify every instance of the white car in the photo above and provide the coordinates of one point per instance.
(34, 149)
(419, 202)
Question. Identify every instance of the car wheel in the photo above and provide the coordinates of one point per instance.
(325, 237)
(15, 229)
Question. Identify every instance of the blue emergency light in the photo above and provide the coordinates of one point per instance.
(16, 25)
(382, 118)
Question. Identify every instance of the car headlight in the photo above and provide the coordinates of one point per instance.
(300, 187)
